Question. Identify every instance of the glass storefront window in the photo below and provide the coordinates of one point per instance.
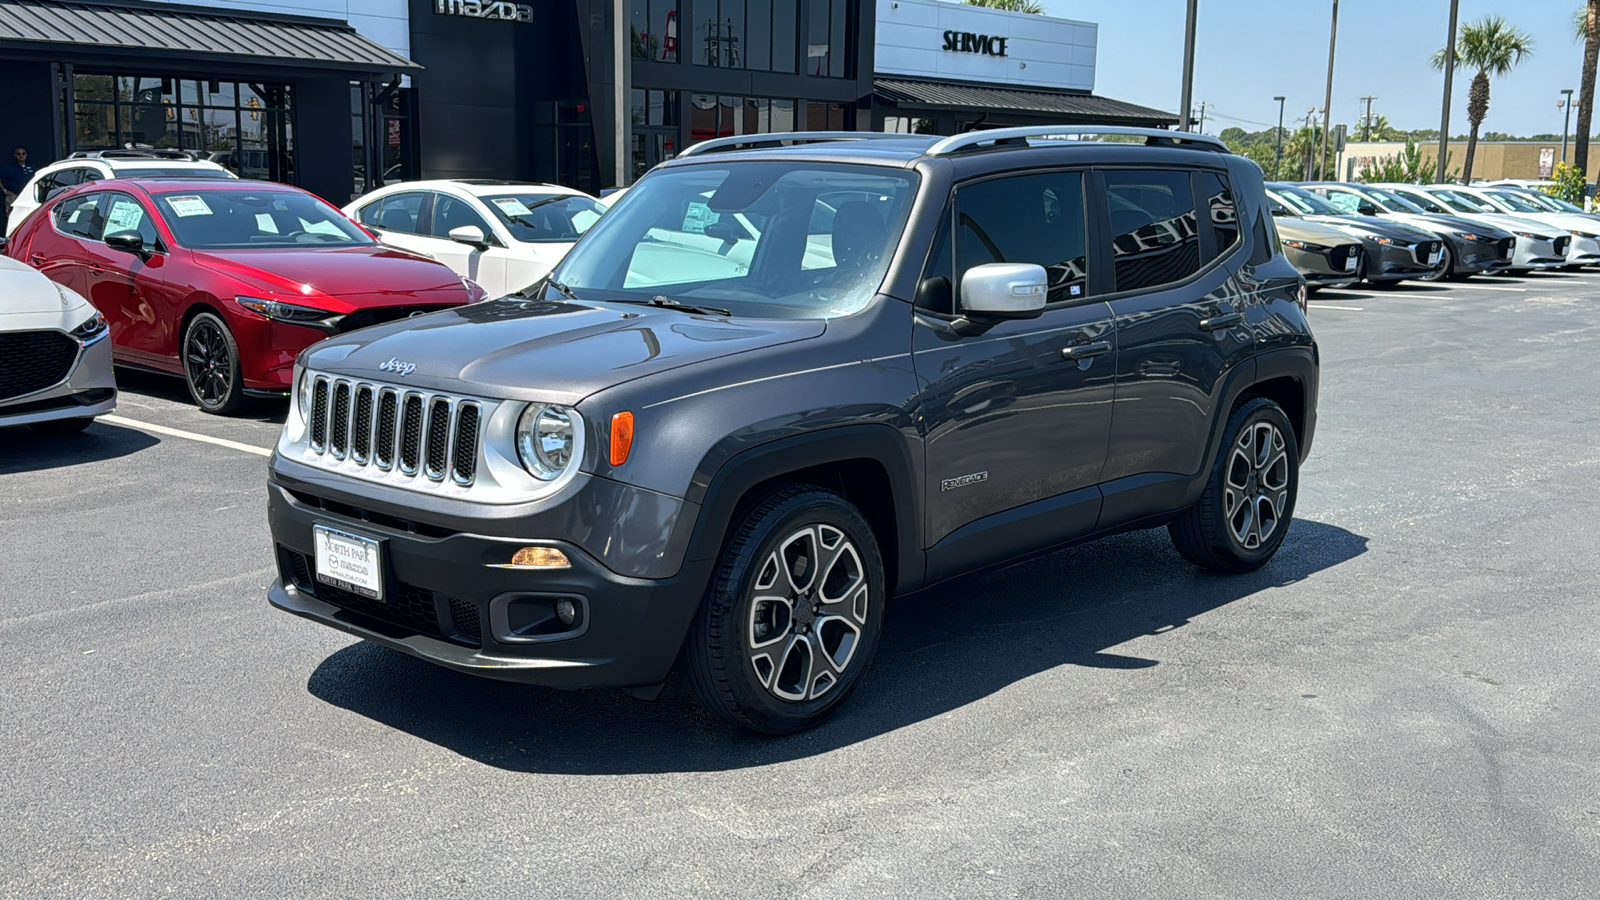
(653, 29)
(785, 34)
(96, 125)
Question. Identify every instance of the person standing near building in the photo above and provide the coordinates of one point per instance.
(13, 178)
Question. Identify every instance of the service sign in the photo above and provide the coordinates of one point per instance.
(485, 9)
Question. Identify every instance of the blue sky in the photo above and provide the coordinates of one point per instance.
(1249, 51)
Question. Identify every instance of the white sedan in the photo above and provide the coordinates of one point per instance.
(55, 359)
(504, 235)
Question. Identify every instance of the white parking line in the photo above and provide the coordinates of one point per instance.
(1487, 287)
(173, 432)
(1331, 306)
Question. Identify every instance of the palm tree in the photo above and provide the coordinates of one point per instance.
(1587, 26)
(1493, 48)
(1027, 6)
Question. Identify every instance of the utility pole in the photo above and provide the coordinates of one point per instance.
(1188, 67)
(1566, 104)
(1311, 145)
(1277, 157)
(1449, 70)
(1202, 128)
(1327, 98)
(1366, 130)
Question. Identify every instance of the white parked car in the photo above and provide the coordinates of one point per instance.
(1584, 246)
(504, 235)
(97, 165)
(55, 356)
(1539, 246)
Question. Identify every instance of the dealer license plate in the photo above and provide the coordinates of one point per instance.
(1350, 263)
(1433, 258)
(349, 562)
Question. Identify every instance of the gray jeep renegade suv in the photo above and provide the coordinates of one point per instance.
(787, 378)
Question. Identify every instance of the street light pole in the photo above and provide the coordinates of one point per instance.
(1565, 121)
(1188, 68)
(1366, 128)
(1277, 157)
(1327, 98)
(1449, 70)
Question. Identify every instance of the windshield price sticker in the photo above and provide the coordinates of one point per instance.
(184, 207)
(511, 206)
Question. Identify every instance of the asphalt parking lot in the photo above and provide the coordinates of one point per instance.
(1402, 704)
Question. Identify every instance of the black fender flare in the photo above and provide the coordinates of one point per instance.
(880, 443)
(1299, 363)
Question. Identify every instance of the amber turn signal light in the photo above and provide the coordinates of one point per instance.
(621, 437)
(540, 558)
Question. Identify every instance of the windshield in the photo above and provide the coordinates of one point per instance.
(1424, 201)
(1553, 204)
(1393, 202)
(1306, 203)
(265, 218)
(1516, 202)
(1464, 203)
(535, 218)
(779, 239)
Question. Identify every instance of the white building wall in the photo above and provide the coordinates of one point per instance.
(386, 22)
(1040, 51)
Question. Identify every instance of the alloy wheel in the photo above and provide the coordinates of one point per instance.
(208, 363)
(809, 603)
(1256, 484)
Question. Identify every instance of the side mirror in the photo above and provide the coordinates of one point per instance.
(1367, 209)
(1282, 212)
(1003, 291)
(469, 234)
(127, 242)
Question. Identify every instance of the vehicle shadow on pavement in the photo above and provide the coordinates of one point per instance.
(24, 450)
(940, 651)
(171, 387)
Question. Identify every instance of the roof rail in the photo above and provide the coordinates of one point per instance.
(131, 153)
(1155, 137)
(782, 139)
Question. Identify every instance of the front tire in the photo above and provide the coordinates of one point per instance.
(211, 365)
(1248, 502)
(793, 614)
(1447, 264)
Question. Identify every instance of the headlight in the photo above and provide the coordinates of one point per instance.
(1384, 240)
(93, 329)
(1302, 245)
(283, 312)
(1583, 234)
(1531, 236)
(302, 391)
(547, 440)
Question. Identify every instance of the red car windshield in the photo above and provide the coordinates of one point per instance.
(219, 220)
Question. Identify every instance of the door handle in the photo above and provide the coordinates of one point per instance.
(1086, 351)
(36, 258)
(1226, 320)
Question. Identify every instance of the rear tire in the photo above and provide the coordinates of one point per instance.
(793, 614)
(211, 369)
(62, 426)
(1248, 503)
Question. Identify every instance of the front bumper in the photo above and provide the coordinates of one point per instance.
(446, 597)
(90, 389)
(1537, 254)
(1476, 257)
(1582, 251)
(1326, 268)
(1395, 262)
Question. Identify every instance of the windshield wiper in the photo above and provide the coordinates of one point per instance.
(533, 291)
(669, 303)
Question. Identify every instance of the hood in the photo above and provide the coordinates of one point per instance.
(1313, 232)
(1437, 223)
(1564, 223)
(29, 301)
(1376, 227)
(1512, 224)
(547, 351)
(334, 271)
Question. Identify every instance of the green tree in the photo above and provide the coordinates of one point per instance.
(1586, 25)
(1567, 183)
(1494, 48)
(1027, 6)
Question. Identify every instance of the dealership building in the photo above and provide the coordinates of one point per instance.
(341, 96)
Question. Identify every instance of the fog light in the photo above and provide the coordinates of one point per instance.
(539, 558)
(566, 612)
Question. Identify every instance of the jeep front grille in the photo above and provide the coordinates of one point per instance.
(431, 435)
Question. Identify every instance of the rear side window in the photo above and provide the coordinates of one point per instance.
(1026, 219)
(1154, 240)
(1216, 198)
(400, 213)
(82, 216)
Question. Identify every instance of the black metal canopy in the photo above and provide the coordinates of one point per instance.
(166, 31)
(1063, 106)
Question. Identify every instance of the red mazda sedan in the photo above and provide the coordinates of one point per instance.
(225, 283)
